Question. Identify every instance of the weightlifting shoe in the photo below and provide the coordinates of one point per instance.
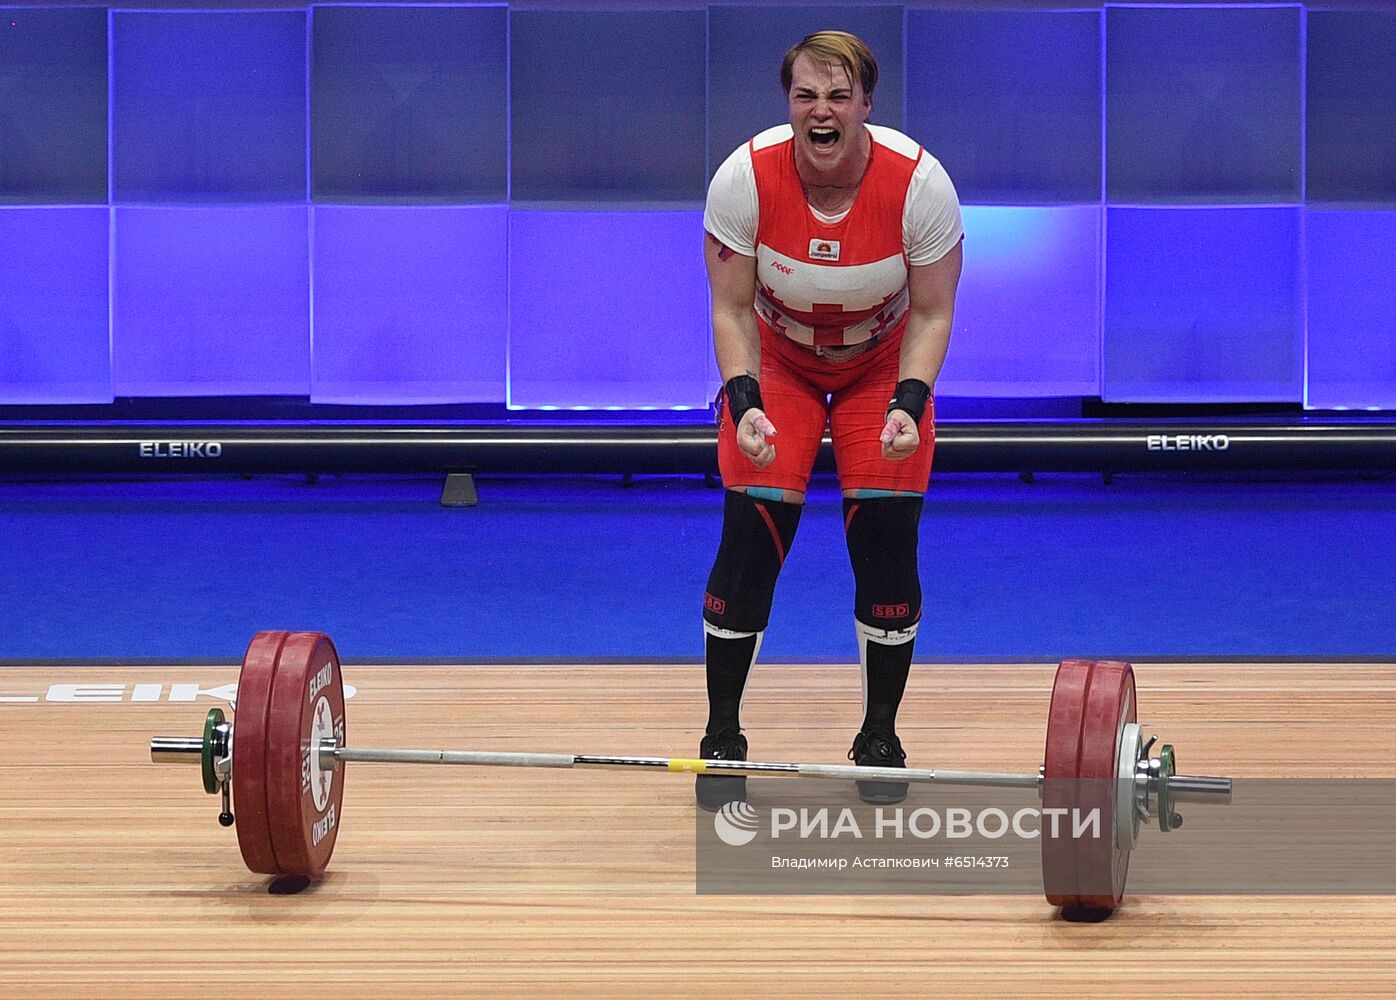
(879, 747)
(716, 790)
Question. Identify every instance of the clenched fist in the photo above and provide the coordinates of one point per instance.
(752, 434)
(900, 437)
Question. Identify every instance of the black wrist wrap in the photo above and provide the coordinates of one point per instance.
(911, 396)
(743, 393)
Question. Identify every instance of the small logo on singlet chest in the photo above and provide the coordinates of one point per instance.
(823, 249)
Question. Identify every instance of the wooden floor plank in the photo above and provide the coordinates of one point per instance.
(116, 880)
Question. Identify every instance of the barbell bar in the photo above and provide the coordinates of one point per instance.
(284, 769)
(1182, 788)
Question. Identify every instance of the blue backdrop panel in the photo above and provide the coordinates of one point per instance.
(410, 304)
(607, 105)
(55, 344)
(608, 309)
(410, 102)
(1148, 566)
(745, 49)
(209, 106)
(53, 105)
(1351, 110)
(1027, 319)
(1009, 101)
(1202, 304)
(1352, 312)
(212, 301)
(1203, 104)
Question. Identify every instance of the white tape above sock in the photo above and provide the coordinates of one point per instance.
(886, 637)
(723, 633)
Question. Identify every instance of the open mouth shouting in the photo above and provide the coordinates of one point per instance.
(824, 137)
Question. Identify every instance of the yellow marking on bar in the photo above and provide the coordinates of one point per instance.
(690, 766)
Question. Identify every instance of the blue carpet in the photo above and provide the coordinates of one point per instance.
(584, 568)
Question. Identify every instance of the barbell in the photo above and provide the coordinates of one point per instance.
(284, 771)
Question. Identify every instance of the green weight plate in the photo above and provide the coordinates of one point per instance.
(214, 719)
(1168, 766)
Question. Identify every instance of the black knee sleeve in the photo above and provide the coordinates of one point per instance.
(882, 534)
(756, 535)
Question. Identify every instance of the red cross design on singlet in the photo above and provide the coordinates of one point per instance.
(771, 316)
(887, 318)
(828, 334)
(824, 334)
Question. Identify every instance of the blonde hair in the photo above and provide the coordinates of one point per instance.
(834, 48)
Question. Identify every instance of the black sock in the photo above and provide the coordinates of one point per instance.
(885, 668)
(729, 662)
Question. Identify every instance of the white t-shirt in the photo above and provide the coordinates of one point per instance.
(834, 280)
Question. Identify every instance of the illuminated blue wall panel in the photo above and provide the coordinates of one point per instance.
(1202, 305)
(410, 304)
(608, 309)
(608, 105)
(1351, 109)
(745, 49)
(1009, 101)
(54, 332)
(1352, 309)
(410, 103)
(212, 301)
(1027, 319)
(504, 196)
(209, 106)
(53, 105)
(1203, 104)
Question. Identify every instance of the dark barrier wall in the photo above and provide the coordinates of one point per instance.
(501, 203)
